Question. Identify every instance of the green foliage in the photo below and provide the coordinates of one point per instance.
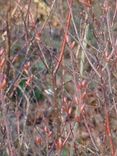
(37, 94)
(90, 36)
(3, 153)
(64, 152)
(22, 86)
(40, 66)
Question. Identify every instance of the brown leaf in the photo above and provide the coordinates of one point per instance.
(3, 82)
(87, 3)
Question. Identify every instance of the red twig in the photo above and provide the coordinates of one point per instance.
(11, 148)
(107, 120)
(64, 39)
(108, 130)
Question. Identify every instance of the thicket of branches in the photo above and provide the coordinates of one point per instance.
(58, 73)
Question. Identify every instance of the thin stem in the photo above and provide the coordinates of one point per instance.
(64, 40)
